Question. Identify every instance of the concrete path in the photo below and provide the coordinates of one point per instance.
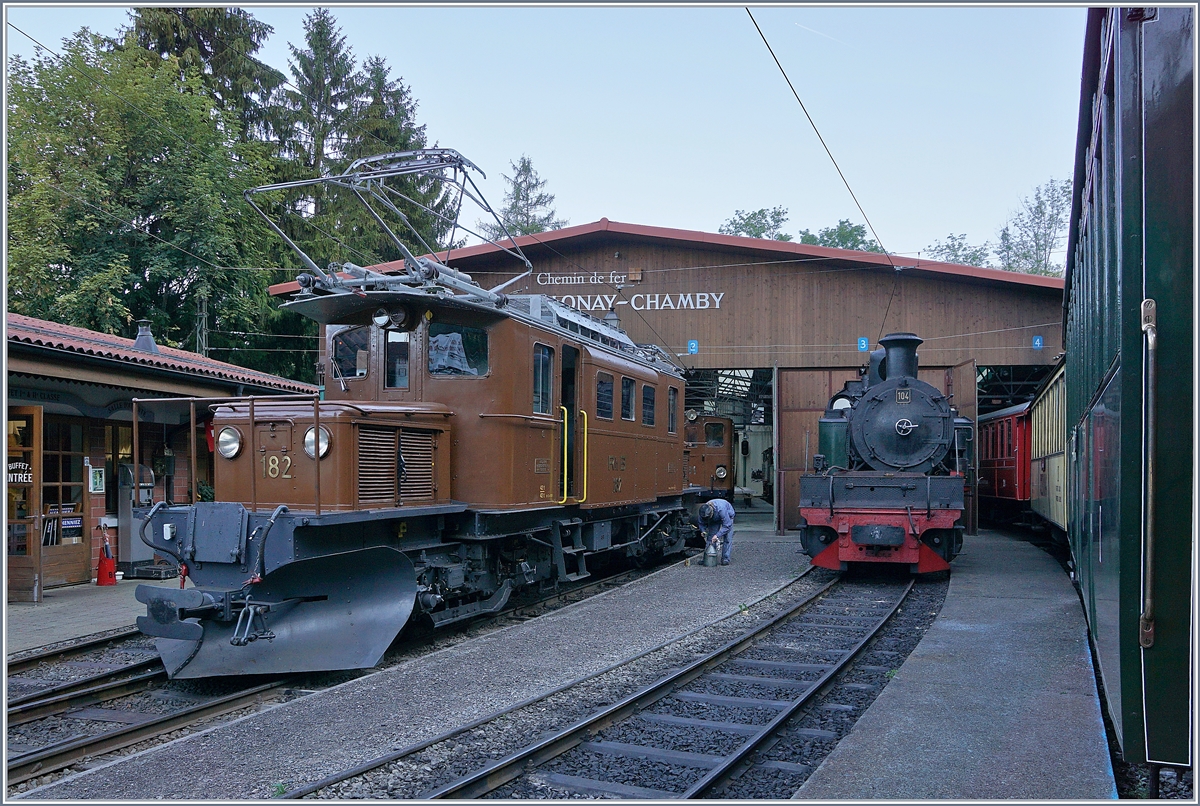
(997, 701)
(74, 611)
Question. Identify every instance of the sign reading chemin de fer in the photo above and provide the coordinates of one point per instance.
(697, 301)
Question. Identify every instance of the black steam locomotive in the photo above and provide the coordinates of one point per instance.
(888, 483)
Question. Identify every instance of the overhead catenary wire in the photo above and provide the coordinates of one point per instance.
(837, 167)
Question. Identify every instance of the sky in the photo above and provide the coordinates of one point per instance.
(942, 119)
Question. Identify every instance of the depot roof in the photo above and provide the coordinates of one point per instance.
(784, 250)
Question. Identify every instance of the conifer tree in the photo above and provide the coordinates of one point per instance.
(528, 208)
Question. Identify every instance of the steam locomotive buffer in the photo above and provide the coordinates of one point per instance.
(889, 480)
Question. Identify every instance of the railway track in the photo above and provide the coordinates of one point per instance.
(25, 661)
(688, 734)
(70, 701)
(743, 668)
(675, 729)
(137, 726)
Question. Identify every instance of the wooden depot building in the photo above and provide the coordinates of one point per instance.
(769, 330)
(69, 429)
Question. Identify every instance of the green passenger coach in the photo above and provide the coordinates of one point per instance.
(1129, 338)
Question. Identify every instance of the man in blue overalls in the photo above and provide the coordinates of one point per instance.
(716, 523)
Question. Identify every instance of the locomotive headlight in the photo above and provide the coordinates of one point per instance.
(229, 442)
(721, 472)
(310, 440)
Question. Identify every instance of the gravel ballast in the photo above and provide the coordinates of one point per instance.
(312, 737)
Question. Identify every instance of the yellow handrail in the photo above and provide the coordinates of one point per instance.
(564, 463)
(583, 414)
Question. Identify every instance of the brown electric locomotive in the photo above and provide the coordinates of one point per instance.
(469, 444)
(708, 460)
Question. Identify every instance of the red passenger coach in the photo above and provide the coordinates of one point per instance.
(1004, 453)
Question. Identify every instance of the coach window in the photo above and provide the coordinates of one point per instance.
(672, 397)
(604, 395)
(543, 371)
(647, 405)
(457, 350)
(714, 435)
(627, 398)
(352, 352)
(396, 359)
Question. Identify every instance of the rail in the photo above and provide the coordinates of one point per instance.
(216, 401)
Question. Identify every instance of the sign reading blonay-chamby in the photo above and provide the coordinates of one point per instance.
(641, 301)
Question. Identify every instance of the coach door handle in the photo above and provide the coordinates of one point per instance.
(583, 414)
(563, 409)
(1150, 328)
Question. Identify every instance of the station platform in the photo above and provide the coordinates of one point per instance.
(998, 700)
(74, 611)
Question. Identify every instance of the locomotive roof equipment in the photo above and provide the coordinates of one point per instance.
(474, 443)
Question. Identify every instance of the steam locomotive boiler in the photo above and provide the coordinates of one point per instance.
(469, 444)
(888, 485)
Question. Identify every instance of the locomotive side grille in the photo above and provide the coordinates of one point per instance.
(377, 461)
(417, 447)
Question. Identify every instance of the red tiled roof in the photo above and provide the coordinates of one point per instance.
(737, 242)
(42, 333)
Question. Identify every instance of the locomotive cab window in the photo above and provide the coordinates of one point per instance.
(352, 353)
(396, 360)
(543, 373)
(627, 398)
(714, 435)
(604, 396)
(457, 350)
(647, 405)
(672, 399)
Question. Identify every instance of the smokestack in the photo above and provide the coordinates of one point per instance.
(145, 340)
(901, 354)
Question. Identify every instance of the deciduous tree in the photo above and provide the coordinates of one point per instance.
(955, 249)
(760, 223)
(124, 194)
(1036, 230)
(843, 236)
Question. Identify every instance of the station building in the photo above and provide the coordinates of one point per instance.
(769, 330)
(70, 395)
